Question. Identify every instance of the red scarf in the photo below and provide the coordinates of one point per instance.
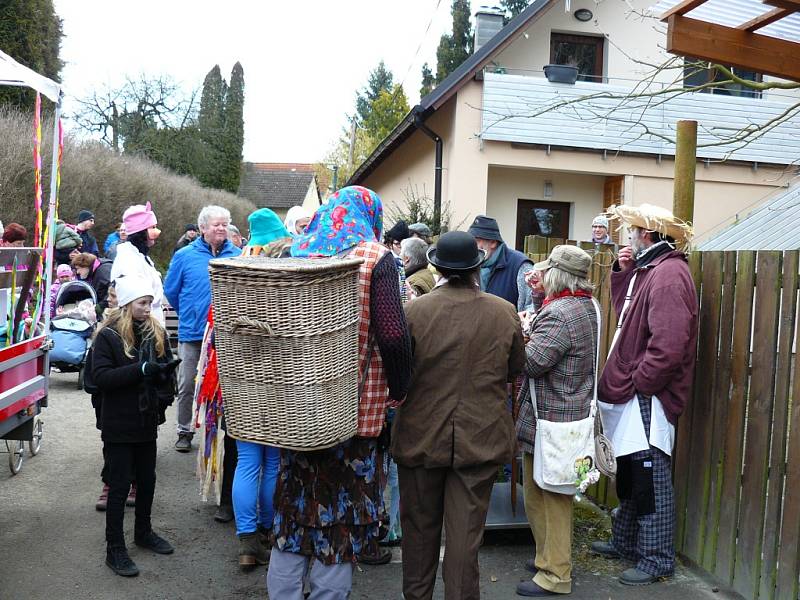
(566, 294)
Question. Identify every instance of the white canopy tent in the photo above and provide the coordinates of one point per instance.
(14, 74)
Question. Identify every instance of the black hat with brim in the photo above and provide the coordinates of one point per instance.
(456, 251)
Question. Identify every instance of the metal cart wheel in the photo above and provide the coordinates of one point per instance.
(16, 454)
(38, 431)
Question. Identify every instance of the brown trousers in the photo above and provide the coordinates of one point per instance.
(550, 517)
(459, 498)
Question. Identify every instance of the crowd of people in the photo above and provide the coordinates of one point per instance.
(467, 349)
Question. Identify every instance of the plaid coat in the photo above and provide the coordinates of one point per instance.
(560, 359)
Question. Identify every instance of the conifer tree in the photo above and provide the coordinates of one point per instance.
(428, 81)
(456, 47)
(380, 79)
(514, 7)
(233, 133)
(30, 32)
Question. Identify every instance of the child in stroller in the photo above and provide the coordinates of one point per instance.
(72, 327)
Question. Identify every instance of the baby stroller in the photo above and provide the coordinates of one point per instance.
(72, 327)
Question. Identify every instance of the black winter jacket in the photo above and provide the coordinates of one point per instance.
(131, 406)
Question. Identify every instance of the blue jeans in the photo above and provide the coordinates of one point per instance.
(394, 500)
(254, 485)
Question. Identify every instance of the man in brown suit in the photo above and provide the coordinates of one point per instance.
(453, 430)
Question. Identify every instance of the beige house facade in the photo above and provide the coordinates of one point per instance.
(545, 157)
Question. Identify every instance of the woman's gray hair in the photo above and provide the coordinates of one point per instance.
(212, 211)
(234, 229)
(416, 251)
(556, 281)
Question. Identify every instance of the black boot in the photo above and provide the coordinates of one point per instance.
(152, 541)
(117, 558)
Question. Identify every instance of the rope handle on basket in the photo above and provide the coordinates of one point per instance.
(243, 321)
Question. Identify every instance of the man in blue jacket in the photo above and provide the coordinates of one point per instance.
(503, 271)
(188, 289)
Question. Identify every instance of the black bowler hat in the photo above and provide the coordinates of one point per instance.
(485, 228)
(456, 251)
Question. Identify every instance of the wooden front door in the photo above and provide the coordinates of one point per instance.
(538, 217)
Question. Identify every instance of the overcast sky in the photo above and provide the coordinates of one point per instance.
(302, 60)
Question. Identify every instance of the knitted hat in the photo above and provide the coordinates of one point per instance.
(14, 232)
(600, 221)
(138, 218)
(485, 228)
(63, 271)
(265, 227)
(131, 287)
(85, 215)
(569, 259)
(190, 227)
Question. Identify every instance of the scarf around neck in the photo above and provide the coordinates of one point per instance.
(567, 294)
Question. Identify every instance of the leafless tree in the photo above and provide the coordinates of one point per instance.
(117, 114)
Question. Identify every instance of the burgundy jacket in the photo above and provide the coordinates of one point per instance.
(655, 352)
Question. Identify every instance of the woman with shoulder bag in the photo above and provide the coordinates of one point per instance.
(561, 365)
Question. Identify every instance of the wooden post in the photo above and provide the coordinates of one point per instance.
(685, 166)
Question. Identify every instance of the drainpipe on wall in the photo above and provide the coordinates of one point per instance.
(437, 182)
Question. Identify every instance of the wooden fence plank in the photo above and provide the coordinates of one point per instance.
(703, 413)
(789, 554)
(758, 428)
(780, 416)
(734, 431)
(682, 453)
(720, 394)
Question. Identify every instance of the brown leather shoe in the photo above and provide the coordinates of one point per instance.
(251, 551)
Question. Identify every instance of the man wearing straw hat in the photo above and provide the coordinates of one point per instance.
(646, 384)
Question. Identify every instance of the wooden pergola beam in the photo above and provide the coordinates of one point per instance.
(792, 5)
(776, 14)
(729, 46)
(682, 8)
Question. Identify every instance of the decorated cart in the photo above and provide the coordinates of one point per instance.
(25, 278)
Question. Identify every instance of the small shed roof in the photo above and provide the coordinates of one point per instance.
(276, 185)
(773, 226)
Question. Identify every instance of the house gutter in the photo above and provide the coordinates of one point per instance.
(437, 181)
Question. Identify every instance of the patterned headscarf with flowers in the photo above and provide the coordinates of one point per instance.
(351, 215)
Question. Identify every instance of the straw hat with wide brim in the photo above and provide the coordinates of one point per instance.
(654, 218)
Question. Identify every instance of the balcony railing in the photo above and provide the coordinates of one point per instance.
(617, 118)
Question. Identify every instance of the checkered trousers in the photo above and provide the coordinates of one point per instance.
(375, 394)
(648, 540)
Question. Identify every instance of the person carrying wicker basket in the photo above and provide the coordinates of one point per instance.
(329, 504)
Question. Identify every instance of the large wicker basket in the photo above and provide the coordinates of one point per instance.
(286, 333)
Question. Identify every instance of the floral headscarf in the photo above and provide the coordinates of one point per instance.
(351, 215)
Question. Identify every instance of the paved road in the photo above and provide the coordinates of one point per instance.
(52, 547)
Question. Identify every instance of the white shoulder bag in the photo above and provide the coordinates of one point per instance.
(561, 449)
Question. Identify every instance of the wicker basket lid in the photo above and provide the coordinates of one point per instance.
(287, 265)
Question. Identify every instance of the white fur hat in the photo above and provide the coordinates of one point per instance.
(131, 287)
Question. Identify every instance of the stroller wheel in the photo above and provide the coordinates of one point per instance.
(80, 377)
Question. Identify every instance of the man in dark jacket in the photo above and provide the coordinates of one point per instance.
(83, 225)
(190, 234)
(503, 272)
(646, 384)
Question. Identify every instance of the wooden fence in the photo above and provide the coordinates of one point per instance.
(737, 493)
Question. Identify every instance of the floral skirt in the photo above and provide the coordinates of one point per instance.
(329, 503)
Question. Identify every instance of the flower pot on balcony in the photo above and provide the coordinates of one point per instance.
(561, 73)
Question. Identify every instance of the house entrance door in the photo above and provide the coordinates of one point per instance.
(538, 217)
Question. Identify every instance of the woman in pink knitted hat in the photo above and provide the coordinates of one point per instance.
(133, 255)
